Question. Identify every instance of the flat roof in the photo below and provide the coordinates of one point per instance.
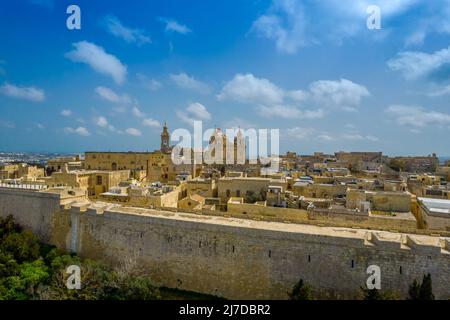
(436, 205)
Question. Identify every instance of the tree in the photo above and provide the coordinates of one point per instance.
(301, 291)
(251, 197)
(421, 291)
(375, 294)
(372, 294)
(30, 270)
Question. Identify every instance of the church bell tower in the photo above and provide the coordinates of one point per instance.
(165, 139)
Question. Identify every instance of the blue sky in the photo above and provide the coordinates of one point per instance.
(311, 68)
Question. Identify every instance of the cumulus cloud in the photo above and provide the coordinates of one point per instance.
(198, 111)
(103, 123)
(414, 64)
(26, 93)
(273, 101)
(285, 22)
(82, 131)
(307, 133)
(137, 112)
(111, 96)
(246, 88)
(416, 116)
(184, 81)
(289, 25)
(343, 94)
(66, 113)
(133, 132)
(114, 26)
(149, 122)
(174, 26)
(289, 112)
(99, 60)
(194, 112)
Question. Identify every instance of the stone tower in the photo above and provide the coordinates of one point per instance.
(165, 139)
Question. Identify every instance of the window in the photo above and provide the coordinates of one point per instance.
(228, 193)
(238, 193)
(99, 180)
(353, 264)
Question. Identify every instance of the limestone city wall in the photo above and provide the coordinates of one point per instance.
(246, 259)
(233, 258)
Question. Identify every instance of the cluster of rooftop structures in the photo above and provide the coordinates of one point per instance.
(354, 189)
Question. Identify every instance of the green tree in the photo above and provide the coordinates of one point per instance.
(23, 246)
(421, 291)
(371, 294)
(374, 294)
(301, 291)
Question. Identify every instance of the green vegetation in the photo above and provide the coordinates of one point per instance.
(301, 291)
(30, 270)
(252, 197)
(374, 294)
(421, 291)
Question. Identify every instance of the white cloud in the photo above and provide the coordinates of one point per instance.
(102, 122)
(289, 112)
(40, 126)
(82, 131)
(26, 93)
(130, 35)
(184, 81)
(246, 88)
(302, 133)
(416, 116)
(174, 26)
(138, 113)
(198, 111)
(293, 24)
(272, 100)
(356, 137)
(343, 94)
(99, 60)
(285, 23)
(133, 132)
(151, 84)
(194, 112)
(149, 122)
(111, 96)
(414, 65)
(66, 113)
(358, 8)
